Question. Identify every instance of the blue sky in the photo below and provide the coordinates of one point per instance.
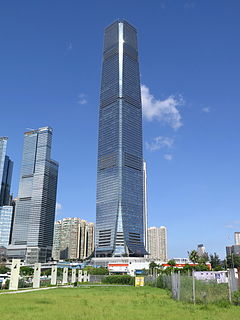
(50, 66)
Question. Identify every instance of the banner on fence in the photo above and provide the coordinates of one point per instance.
(139, 281)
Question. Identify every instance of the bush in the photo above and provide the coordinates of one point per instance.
(96, 271)
(236, 298)
(125, 279)
(4, 269)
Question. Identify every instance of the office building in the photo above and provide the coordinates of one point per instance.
(73, 239)
(237, 238)
(6, 167)
(145, 209)
(6, 215)
(157, 243)
(6, 209)
(119, 208)
(33, 225)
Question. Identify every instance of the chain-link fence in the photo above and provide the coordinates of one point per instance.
(188, 288)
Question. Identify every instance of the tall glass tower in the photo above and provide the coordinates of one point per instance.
(6, 167)
(33, 226)
(119, 212)
(6, 210)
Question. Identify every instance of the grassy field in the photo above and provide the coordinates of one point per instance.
(107, 303)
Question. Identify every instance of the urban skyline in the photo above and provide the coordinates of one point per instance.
(169, 62)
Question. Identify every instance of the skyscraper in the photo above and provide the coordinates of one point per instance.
(6, 167)
(6, 210)
(33, 226)
(157, 243)
(6, 214)
(119, 210)
(145, 209)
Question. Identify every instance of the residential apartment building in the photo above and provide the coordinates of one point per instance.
(73, 239)
(157, 243)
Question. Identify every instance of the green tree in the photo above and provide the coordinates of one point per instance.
(152, 265)
(233, 261)
(96, 271)
(203, 258)
(193, 256)
(4, 269)
(215, 261)
(26, 271)
(172, 262)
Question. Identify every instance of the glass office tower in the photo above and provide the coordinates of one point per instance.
(6, 167)
(6, 210)
(33, 225)
(119, 211)
(6, 214)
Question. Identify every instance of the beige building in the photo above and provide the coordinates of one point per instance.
(157, 243)
(73, 239)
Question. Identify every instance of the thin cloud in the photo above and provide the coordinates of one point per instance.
(163, 111)
(190, 4)
(69, 46)
(234, 225)
(82, 99)
(206, 110)
(168, 157)
(159, 143)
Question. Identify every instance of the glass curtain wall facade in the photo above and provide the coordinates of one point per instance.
(33, 226)
(6, 214)
(119, 208)
(6, 167)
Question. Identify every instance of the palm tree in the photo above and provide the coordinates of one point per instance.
(193, 256)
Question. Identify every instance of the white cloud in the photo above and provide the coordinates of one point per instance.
(206, 110)
(58, 207)
(82, 98)
(168, 157)
(164, 111)
(159, 143)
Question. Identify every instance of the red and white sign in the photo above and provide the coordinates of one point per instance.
(118, 267)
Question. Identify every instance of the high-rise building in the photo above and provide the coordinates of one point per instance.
(33, 225)
(157, 243)
(6, 210)
(6, 167)
(119, 209)
(6, 214)
(145, 209)
(201, 250)
(237, 238)
(73, 239)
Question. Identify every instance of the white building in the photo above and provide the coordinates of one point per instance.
(237, 238)
(73, 239)
(157, 243)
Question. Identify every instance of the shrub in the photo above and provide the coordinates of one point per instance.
(96, 271)
(236, 298)
(116, 279)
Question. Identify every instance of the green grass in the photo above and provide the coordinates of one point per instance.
(107, 303)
